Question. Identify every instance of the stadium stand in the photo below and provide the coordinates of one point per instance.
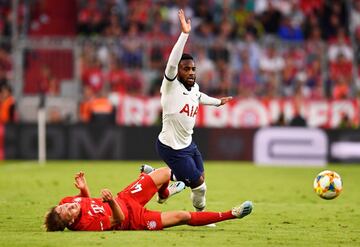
(263, 49)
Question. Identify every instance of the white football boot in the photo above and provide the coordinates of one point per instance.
(173, 188)
(242, 210)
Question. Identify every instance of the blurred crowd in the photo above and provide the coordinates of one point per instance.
(262, 48)
(247, 48)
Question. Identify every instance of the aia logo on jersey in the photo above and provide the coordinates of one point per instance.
(190, 112)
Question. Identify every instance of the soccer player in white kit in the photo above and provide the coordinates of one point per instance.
(180, 99)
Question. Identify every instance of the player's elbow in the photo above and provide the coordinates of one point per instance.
(117, 220)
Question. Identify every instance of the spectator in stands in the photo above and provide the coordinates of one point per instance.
(133, 51)
(310, 7)
(205, 69)
(218, 51)
(7, 105)
(251, 26)
(314, 45)
(340, 44)
(138, 13)
(271, 19)
(135, 85)
(314, 79)
(288, 78)
(157, 17)
(311, 23)
(90, 19)
(240, 14)
(247, 84)
(346, 122)
(54, 115)
(271, 61)
(341, 88)
(205, 31)
(85, 104)
(93, 76)
(113, 27)
(203, 12)
(224, 79)
(226, 30)
(280, 120)
(290, 32)
(159, 47)
(49, 84)
(117, 77)
(298, 120)
(270, 87)
(101, 110)
(334, 16)
(341, 67)
(252, 50)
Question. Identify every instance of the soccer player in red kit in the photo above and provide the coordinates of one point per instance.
(126, 211)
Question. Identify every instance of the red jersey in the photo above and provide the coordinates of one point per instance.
(95, 214)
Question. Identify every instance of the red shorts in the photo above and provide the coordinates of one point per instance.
(134, 197)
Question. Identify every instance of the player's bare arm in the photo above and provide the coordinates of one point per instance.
(171, 70)
(80, 183)
(117, 214)
(185, 24)
(224, 100)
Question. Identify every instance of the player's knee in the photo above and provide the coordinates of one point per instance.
(198, 196)
(183, 217)
(161, 175)
(197, 183)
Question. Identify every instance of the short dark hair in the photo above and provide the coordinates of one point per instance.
(186, 56)
(53, 222)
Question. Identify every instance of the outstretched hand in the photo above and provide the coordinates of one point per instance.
(80, 181)
(224, 100)
(185, 24)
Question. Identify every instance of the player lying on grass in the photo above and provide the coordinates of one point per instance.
(126, 211)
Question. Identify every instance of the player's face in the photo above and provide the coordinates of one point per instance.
(68, 211)
(186, 72)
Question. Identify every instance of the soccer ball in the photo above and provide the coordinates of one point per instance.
(328, 184)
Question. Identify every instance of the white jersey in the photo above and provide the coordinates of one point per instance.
(179, 105)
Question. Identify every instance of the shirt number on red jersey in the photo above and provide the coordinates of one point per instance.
(136, 188)
(97, 209)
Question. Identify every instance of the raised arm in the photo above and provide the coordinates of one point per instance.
(177, 51)
(117, 214)
(185, 24)
(80, 183)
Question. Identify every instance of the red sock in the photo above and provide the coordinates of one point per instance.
(205, 218)
(163, 191)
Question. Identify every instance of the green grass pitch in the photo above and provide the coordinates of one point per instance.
(287, 212)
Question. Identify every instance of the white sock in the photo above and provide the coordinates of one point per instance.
(198, 197)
